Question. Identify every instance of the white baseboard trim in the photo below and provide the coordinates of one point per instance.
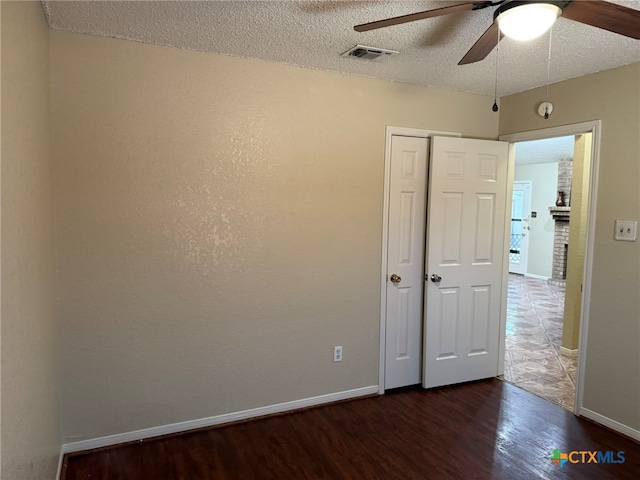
(145, 433)
(539, 277)
(612, 424)
(568, 352)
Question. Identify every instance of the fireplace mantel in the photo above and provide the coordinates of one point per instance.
(560, 214)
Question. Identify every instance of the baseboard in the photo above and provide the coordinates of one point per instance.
(612, 424)
(539, 277)
(568, 352)
(146, 433)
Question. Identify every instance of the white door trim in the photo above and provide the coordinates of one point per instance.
(511, 163)
(406, 132)
(594, 127)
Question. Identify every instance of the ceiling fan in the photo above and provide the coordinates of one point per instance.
(526, 20)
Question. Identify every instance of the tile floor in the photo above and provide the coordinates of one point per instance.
(534, 335)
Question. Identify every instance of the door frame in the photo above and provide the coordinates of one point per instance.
(405, 132)
(594, 127)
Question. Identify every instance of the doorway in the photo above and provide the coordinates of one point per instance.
(545, 326)
(536, 296)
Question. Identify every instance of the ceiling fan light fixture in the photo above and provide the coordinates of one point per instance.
(525, 21)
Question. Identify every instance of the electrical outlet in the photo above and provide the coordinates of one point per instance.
(337, 354)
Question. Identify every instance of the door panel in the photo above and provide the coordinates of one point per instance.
(405, 258)
(448, 321)
(452, 228)
(480, 331)
(483, 232)
(407, 224)
(465, 247)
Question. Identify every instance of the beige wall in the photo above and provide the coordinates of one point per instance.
(30, 408)
(219, 226)
(577, 241)
(612, 383)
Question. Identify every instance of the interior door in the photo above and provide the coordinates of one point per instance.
(520, 228)
(405, 261)
(465, 259)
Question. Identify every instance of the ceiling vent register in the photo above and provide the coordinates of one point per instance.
(369, 53)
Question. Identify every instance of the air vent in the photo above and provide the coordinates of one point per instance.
(368, 53)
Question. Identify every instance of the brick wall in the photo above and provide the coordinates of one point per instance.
(561, 238)
(565, 172)
(561, 232)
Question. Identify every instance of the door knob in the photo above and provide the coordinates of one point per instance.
(395, 278)
(435, 278)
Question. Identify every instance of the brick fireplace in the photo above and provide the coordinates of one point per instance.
(560, 244)
(561, 215)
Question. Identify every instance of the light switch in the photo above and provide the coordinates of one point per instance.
(626, 231)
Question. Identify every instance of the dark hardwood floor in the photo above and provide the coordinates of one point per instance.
(484, 430)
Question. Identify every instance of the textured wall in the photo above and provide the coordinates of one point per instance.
(220, 226)
(543, 178)
(612, 383)
(30, 413)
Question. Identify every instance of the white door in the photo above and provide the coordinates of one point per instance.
(465, 257)
(520, 228)
(405, 261)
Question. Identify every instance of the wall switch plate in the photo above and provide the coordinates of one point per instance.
(626, 231)
(337, 354)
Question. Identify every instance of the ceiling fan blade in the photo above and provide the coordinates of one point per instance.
(605, 15)
(412, 17)
(483, 45)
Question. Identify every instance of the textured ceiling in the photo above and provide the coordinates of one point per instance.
(313, 34)
(544, 151)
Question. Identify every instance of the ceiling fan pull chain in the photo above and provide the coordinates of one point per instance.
(546, 108)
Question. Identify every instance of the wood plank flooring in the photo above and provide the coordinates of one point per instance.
(484, 430)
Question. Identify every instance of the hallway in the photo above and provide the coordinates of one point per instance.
(534, 336)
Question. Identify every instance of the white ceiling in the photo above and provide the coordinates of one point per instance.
(548, 150)
(313, 34)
